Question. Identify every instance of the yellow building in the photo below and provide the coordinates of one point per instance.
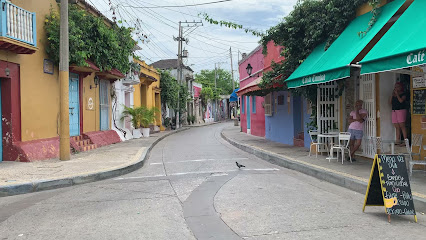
(147, 93)
(30, 89)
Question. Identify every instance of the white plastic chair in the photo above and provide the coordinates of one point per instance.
(409, 158)
(313, 133)
(342, 146)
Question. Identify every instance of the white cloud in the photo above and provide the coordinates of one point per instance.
(208, 44)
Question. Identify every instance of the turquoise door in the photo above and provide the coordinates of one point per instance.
(104, 104)
(248, 111)
(74, 112)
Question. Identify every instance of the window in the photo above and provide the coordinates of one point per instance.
(268, 105)
(253, 104)
(242, 104)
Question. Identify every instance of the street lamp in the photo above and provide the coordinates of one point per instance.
(249, 68)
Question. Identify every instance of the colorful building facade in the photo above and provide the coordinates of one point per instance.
(147, 93)
(30, 91)
(252, 112)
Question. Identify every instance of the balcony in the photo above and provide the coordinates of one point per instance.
(131, 79)
(18, 32)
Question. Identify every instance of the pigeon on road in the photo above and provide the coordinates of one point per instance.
(239, 165)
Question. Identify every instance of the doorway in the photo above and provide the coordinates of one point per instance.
(248, 112)
(104, 104)
(74, 104)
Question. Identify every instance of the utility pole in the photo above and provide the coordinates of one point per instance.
(64, 125)
(232, 69)
(232, 76)
(180, 40)
(215, 90)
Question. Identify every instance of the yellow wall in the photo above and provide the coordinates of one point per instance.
(147, 98)
(40, 91)
(365, 8)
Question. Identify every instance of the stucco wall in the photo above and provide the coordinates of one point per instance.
(148, 98)
(40, 91)
(257, 120)
(274, 55)
(287, 120)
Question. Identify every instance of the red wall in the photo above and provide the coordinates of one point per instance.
(274, 54)
(257, 120)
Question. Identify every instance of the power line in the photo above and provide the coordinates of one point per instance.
(177, 6)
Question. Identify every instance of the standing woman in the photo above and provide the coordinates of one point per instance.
(399, 110)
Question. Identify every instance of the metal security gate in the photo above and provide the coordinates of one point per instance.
(104, 104)
(367, 93)
(327, 108)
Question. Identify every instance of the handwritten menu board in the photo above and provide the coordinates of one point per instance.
(389, 186)
(419, 101)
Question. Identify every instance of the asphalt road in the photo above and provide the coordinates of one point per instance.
(191, 188)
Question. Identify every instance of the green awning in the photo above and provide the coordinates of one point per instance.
(403, 45)
(324, 66)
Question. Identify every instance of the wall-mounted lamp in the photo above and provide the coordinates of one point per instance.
(249, 68)
(7, 72)
(96, 81)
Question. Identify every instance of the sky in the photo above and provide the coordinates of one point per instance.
(208, 44)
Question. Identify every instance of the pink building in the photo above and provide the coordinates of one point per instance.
(252, 112)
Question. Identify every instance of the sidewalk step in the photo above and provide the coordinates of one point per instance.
(89, 147)
(77, 138)
(84, 142)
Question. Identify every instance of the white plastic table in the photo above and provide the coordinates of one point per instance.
(331, 136)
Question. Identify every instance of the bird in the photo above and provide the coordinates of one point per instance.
(239, 165)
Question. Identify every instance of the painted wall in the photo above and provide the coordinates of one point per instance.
(288, 119)
(145, 92)
(274, 55)
(257, 119)
(280, 126)
(39, 91)
(91, 117)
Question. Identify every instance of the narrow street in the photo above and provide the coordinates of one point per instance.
(191, 188)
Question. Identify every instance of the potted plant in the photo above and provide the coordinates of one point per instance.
(133, 113)
(193, 119)
(147, 117)
(189, 119)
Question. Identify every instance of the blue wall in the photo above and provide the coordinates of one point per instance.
(283, 126)
(280, 127)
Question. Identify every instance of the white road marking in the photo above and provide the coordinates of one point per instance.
(200, 160)
(122, 178)
(216, 173)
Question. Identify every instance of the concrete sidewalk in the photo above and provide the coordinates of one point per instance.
(354, 175)
(105, 162)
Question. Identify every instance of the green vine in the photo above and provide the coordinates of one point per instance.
(310, 24)
(230, 25)
(90, 38)
(375, 4)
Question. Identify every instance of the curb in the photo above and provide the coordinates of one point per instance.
(205, 125)
(337, 179)
(81, 179)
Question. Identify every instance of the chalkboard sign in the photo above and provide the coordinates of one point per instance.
(419, 101)
(389, 186)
